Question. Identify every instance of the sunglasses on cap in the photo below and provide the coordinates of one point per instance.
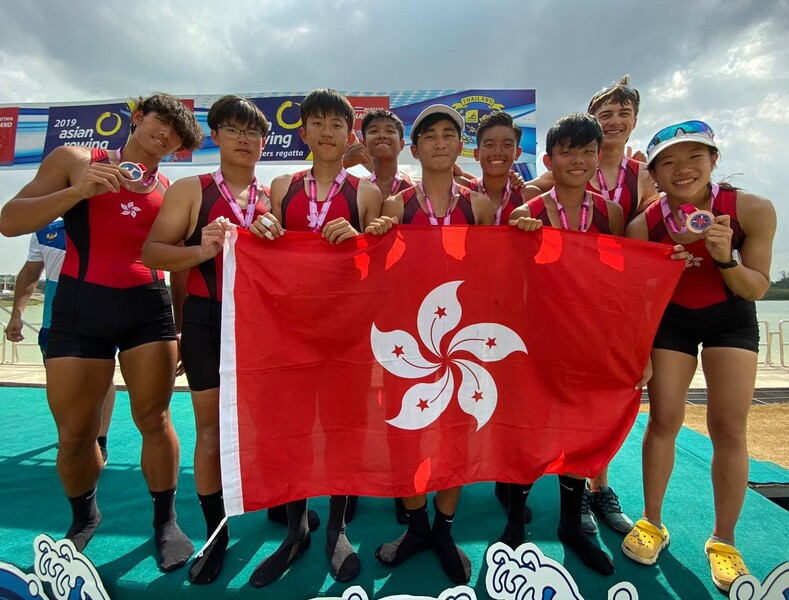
(679, 130)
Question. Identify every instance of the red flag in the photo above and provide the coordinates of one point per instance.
(430, 357)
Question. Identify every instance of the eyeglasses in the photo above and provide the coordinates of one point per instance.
(680, 129)
(250, 134)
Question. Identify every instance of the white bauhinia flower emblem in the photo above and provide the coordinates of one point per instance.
(130, 209)
(398, 352)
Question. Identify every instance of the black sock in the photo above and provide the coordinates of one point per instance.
(173, 546)
(279, 514)
(343, 559)
(208, 563)
(298, 541)
(350, 508)
(85, 517)
(570, 531)
(400, 511)
(514, 498)
(455, 562)
(415, 539)
(501, 494)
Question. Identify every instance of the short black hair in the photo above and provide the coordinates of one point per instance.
(431, 120)
(327, 102)
(499, 119)
(576, 130)
(381, 113)
(172, 111)
(237, 110)
(619, 92)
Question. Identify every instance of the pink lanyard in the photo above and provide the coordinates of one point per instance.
(431, 212)
(620, 180)
(583, 221)
(395, 181)
(505, 198)
(316, 220)
(151, 177)
(685, 209)
(227, 194)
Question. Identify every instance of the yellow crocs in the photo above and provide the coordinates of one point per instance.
(726, 563)
(644, 542)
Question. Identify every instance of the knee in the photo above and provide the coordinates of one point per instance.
(74, 439)
(208, 439)
(665, 424)
(726, 433)
(153, 422)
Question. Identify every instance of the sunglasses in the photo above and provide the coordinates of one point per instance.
(680, 129)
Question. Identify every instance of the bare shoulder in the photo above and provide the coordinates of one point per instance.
(369, 189)
(755, 211)
(637, 229)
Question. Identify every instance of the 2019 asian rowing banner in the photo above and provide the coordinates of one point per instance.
(29, 132)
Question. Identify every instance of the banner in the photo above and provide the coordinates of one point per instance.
(400, 364)
(8, 121)
(106, 124)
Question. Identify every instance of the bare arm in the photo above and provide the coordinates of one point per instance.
(615, 218)
(544, 182)
(751, 279)
(175, 222)
(483, 209)
(65, 178)
(369, 203)
(25, 285)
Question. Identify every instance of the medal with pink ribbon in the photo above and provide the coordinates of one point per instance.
(244, 220)
(315, 219)
(620, 181)
(505, 198)
(136, 170)
(694, 220)
(431, 212)
(396, 179)
(583, 220)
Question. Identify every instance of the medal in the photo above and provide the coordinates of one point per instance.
(314, 218)
(583, 219)
(699, 220)
(136, 171)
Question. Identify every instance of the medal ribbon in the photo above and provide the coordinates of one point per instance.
(398, 177)
(583, 221)
(150, 178)
(431, 212)
(685, 210)
(620, 180)
(244, 220)
(505, 198)
(315, 219)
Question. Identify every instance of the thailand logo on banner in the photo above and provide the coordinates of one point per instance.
(400, 364)
(104, 126)
(9, 117)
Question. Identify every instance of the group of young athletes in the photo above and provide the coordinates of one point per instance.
(125, 226)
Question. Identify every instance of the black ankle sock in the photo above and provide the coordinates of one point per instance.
(514, 500)
(400, 511)
(208, 563)
(298, 541)
(570, 531)
(350, 508)
(173, 546)
(501, 494)
(343, 559)
(454, 561)
(85, 517)
(415, 539)
(279, 514)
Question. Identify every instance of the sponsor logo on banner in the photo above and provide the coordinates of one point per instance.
(361, 104)
(283, 141)
(474, 110)
(9, 117)
(91, 126)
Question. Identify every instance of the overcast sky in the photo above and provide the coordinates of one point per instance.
(720, 61)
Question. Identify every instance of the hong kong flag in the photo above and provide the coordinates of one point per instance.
(430, 357)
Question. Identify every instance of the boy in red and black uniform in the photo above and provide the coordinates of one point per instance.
(189, 233)
(436, 200)
(326, 200)
(106, 300)
(383, 133)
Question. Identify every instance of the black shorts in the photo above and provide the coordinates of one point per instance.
(201, 342)
(730, 324)
(92, 321)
